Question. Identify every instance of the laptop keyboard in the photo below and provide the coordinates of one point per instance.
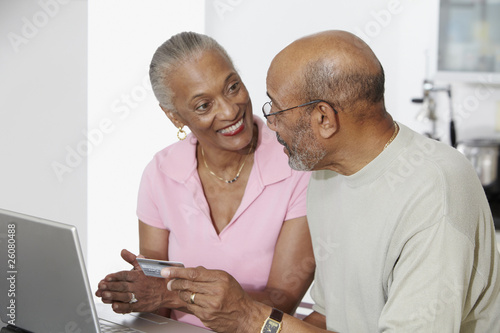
(109, 327)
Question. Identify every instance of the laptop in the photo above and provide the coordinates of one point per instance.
(44, 286)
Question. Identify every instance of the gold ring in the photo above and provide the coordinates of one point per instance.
(191, 299)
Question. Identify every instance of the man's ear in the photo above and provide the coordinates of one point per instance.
(173, 117)
(324, 118)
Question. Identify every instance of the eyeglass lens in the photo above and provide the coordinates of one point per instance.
(266, 109)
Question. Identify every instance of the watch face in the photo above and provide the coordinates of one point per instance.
(271, 326)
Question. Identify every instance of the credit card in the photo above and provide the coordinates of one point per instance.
(152, 267)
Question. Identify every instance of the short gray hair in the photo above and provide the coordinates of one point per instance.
(174, 52)
(343, 87)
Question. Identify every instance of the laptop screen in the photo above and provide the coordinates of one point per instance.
(44, 286)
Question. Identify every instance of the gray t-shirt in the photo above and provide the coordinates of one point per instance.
(406, 244)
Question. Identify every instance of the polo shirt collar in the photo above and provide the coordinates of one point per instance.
(270, 162)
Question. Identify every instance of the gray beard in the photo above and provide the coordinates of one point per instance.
(303, 158)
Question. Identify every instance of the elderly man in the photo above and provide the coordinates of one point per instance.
(402, 232)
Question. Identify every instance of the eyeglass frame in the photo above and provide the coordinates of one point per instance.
(298, 106)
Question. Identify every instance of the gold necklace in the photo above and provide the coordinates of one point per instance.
(396, 130)
(220, 178)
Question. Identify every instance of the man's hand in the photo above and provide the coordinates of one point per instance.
(150, 292)
(216, 298)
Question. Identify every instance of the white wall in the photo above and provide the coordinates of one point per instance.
(43, 104)
(126, 123)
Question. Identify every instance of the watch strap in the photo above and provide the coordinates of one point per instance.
(276, 315)
(273, 323)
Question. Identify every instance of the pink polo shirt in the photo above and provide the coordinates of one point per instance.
(171, 197)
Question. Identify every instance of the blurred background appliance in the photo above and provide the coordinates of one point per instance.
(428, 110)
(484, 156)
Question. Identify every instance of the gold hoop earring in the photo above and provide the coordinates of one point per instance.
(181, 134)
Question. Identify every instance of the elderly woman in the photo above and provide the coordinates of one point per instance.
(223, 197)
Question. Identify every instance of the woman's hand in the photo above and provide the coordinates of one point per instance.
(151, 293)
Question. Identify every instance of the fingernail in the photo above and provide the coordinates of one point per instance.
(169, 285)
(165, 272)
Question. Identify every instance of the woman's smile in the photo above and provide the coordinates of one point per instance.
(233, 129)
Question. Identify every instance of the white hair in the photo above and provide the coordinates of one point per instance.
(178, 49)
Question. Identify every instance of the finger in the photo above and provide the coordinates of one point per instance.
(102, 285)
(106, 301)
(198, 274)
(106, 297)
(128, 276)
(120, 286)
(112, 297)
(184, 285)
(187, 297)
(120, 307)
(130, 258)
(206, 288)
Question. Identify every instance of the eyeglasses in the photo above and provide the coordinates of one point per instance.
(266, 109)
